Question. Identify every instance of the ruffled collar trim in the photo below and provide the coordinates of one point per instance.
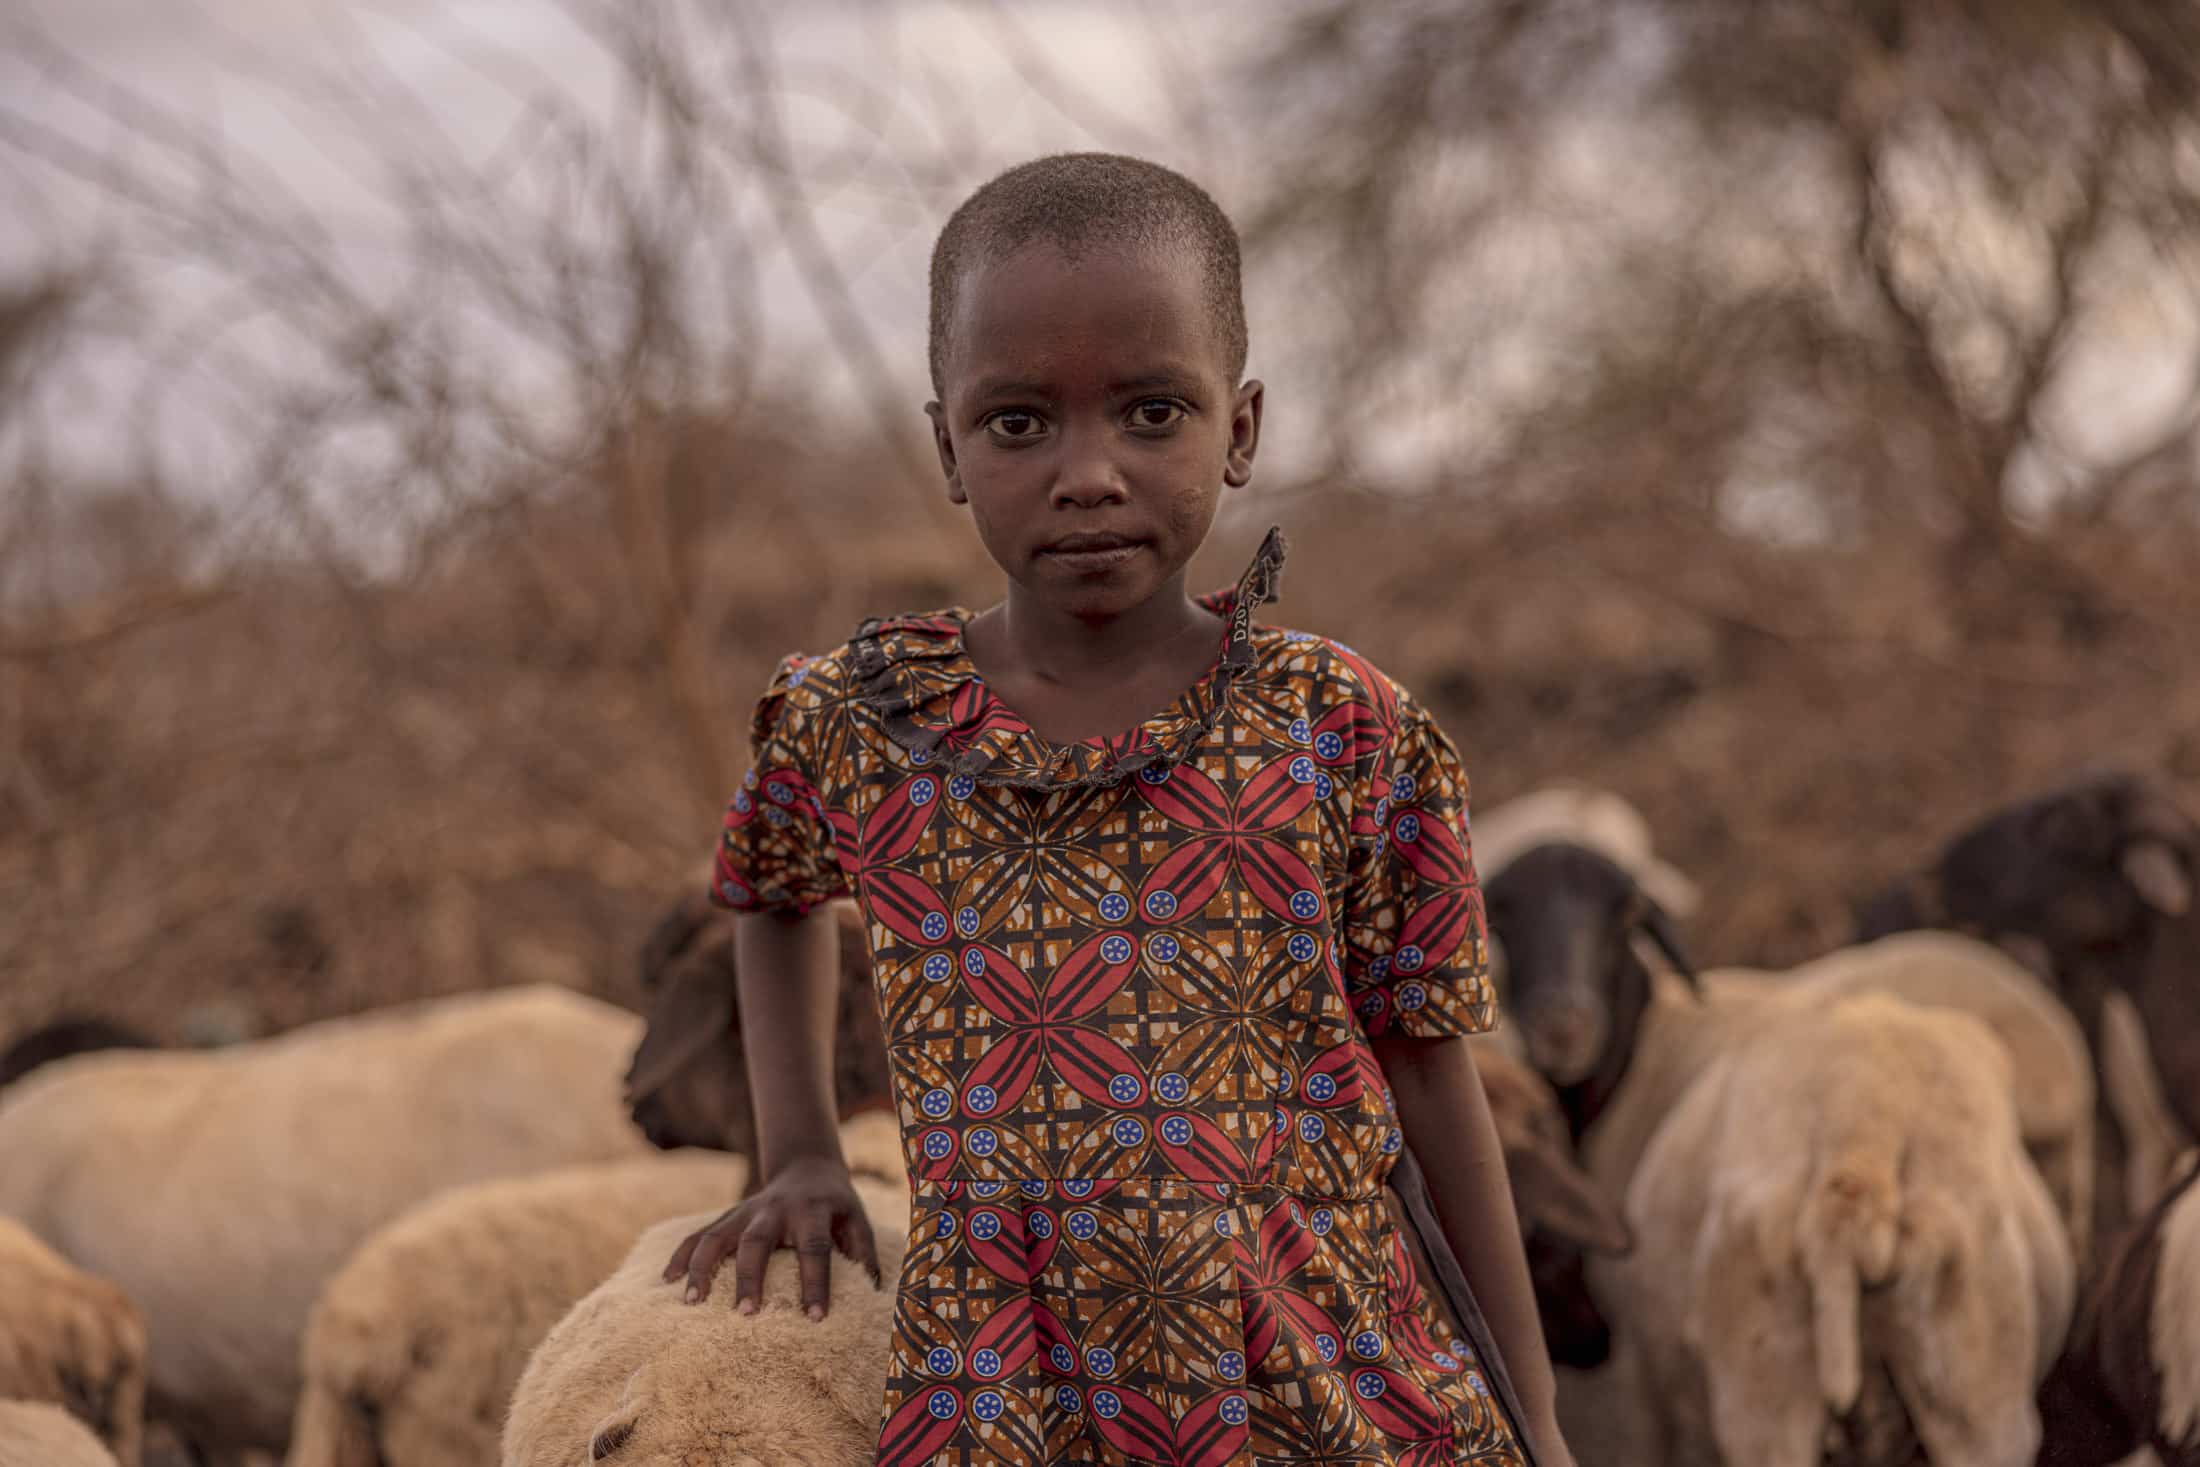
(915, 673)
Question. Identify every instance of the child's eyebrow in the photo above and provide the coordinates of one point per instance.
(1179, 382)
(990, 388)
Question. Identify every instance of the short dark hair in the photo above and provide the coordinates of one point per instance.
(1081, 201)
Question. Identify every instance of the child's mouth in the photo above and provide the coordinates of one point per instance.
(1082, 556)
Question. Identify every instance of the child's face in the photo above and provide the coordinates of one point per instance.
(1090, 421)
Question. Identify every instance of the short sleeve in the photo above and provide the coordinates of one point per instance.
(1415, 940)
(776, 852)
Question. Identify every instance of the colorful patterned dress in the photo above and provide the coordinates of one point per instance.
(1127, 986)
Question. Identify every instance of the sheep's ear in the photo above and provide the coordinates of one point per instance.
(1658, 926)
(692, 1016)
(2156, 873)
(608, 1440)
(1562, 1202)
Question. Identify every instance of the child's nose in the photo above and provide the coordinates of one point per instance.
(1088, 477)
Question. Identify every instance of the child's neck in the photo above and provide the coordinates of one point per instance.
(1074, 678)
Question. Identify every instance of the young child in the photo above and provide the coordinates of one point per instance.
(1174, 922)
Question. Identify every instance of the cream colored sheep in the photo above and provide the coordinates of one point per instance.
(2132, 1093)
(633, 1377)
(418, 1341)
(41, 1434)
(70, 1339)
(1807, 1269)
(1582, 815)
(221, 1189)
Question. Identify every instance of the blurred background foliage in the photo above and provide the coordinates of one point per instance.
(1787, 415)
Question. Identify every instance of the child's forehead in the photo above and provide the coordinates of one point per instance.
(1043, 288)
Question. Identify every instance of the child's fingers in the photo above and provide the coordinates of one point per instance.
(813, 1251)
(682, 1254)
(708, 1251)
(750, 1255)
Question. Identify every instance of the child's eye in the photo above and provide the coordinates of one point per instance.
(1157, 412)
(1013, 424)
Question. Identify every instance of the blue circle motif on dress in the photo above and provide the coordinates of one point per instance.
(734, 895)
(1402, 788)
(983, 1142)
(1223, 1226)
(1409, 959)
(1476, 1384)
(987, 1405)
(1230, 1365)
(1172, 1087)
(1300, 731)
(938, 968)
(945, 1227)
(1320, 1087)
(1412, 997)
(1407, 829)
(1039, 1223)
(1177, 1131)
(1083, 1226)
(1302, 948)
(1302, 770)
(1155, 774)
(1233, 1411)
(934, 926)
(1128, 1132)
(988, 1189)
(1114, 907)
(1067, 1398)
(1325, 1345)
(1393, 1143)
(1445, 1360)
(1298, 1214)
(1329, 745)
(1163, 948)
(1322, 1221)
(1370, 1385)
(1368, 1345)
(939, 1145)
(974, 961)
(777, 818)
(985, 1364)
(1124, 1089)
(743, 803)
(1100, 1360)
(921, 792)
(1378, 969)
(941, 1360)
(1306, 905)
(981, 1100)
(1284, 1082)
(1115, 949)
(937, 1103)
(1062, 1357)
(1324, 786)
(1106, 1405)
(941, 1405)
(1310, 1128)
(985, 1225)
(920, 756)
(779, 792)
(1032, 1187)
(1076, 1187)
(1280, 1120)
(961, 787)
(1161, 906)
(966, 921)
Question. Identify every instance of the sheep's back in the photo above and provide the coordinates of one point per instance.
(40, 1434)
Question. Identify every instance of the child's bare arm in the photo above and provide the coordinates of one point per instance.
(788, 969)
(1446, 1120)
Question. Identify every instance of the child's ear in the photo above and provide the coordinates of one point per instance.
(946, 447)
(1237, 467)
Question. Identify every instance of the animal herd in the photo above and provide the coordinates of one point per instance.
(1930, 1198)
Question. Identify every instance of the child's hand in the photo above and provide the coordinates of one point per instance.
(811, 1207)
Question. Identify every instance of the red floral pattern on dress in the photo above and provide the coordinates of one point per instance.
(1127, 987)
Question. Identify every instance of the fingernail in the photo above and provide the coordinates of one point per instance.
(748, 1306)
(817, 1311)
(694, 1295)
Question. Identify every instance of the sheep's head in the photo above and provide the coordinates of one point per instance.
(761, 1390)
(2093, 866)
(688, 1083)
(1565, 920)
